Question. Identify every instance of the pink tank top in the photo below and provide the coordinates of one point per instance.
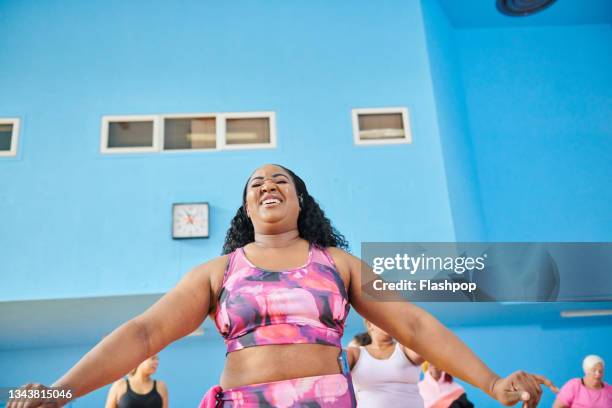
(256, 307)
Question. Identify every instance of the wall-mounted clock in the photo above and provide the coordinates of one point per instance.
(189, 220)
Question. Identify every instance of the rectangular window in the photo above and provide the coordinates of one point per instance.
(9, 134)
(381, 126)
(129, 134)
(190, 133)
(248, 130)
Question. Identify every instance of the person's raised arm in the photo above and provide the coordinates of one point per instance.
(420, 331)
(178, 313)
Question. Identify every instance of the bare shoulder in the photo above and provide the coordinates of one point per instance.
(162, 388)
(348, 265)
(354, 352)
(211, 270)
(212, 265)
(119, 387)
(353, 356)
(342, 261)
(212, 273)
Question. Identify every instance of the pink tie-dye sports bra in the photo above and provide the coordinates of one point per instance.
(256, 307)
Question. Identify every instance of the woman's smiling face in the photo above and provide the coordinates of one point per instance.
(271, 200)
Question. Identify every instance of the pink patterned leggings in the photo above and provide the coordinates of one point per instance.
(321, 391)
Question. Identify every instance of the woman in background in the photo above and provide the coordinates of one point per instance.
(385, 373)
(139, 390)
(589, 391)
(439, 390)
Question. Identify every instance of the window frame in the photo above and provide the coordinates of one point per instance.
(16, 122)
(107, 119)
(270, 115)
(159, 130)
(407, 139)
(162, 131)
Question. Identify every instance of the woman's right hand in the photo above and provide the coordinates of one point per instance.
(31, 396)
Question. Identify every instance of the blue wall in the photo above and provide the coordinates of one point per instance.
(524, 117)
(459, 160)
(539, 102)
(99, 224)
(511, 142)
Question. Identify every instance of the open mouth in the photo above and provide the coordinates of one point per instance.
(270, 202)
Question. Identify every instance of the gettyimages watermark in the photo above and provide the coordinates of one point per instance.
(487, 272)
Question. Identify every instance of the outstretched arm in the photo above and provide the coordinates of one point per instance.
(176, 314)
(420, 331)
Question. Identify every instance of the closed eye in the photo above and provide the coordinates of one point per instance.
(259, 184)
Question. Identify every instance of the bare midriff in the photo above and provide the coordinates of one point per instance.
(261, 364)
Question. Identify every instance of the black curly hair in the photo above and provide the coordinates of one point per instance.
(363, 339)
(313, 225)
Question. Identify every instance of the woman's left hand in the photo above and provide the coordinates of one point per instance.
(521, 386)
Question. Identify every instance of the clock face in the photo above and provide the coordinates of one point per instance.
(190, 220)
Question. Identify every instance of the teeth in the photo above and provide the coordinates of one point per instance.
(272, 201)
